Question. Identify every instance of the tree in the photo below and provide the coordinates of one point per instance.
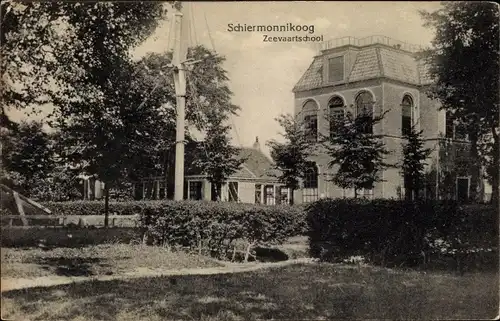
(43, 43)
(216, 157)
(291, 157)
(464, 64)
(413, 164)
(106, 136)
(112, 113)
(358, 153)
(208, 95)
(103, 109)
(27, 156)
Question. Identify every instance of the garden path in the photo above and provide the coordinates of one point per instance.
(8, 284)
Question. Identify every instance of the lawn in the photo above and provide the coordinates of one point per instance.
(104, 259)
(302, 291)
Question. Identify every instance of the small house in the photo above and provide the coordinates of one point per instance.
(255, 182)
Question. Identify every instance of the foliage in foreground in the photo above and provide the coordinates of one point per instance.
(413, 164)
(205, 227)
(291, 157)
(358, 153)
(464, 64)
(392, 232)
(384, 232)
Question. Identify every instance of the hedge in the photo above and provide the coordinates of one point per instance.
(213, 227)
(393, 232)
(206, 227)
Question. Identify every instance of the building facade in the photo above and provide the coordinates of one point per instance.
(372, 76)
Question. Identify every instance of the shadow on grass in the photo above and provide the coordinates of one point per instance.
(64, 266)
(293, 292)
(264, 254)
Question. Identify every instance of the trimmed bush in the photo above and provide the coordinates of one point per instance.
(213, 227)
(392, 232)
(206, 227)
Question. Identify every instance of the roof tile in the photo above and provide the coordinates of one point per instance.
(366, 65)
(399, 65)
(313, 77)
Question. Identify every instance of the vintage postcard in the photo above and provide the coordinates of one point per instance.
(249, 160)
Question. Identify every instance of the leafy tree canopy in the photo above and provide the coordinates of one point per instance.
(465, 67)
(359, 154)
(291, 156)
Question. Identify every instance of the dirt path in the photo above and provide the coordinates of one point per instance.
(8, 284)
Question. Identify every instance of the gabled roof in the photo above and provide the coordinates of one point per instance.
(256, 165)
(372, 61)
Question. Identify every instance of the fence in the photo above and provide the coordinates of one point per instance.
(28, 221)
(360, 42)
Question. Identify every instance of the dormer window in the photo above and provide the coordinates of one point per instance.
(336, 69)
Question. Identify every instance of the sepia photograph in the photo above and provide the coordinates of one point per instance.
(249, 160)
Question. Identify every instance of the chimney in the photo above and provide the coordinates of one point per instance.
(256, 145)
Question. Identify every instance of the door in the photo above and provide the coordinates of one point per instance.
(462, 189)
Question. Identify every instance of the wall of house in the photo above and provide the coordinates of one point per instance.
(246, 189)
(348, 93)
(393, 93)
(207, 190)
(92, 189)
(322, 96)
(246, 192)
(432, 120)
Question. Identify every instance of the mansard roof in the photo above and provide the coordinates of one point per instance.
(380, 57)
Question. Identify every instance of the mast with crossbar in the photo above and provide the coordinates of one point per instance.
(180, 64)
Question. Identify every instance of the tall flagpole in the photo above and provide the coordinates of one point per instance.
(179, 58)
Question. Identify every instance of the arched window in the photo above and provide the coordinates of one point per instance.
(406, 115)
(364, 110)
(336, 107)
(310, 191)
(310, 111)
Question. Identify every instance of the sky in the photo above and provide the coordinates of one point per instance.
(262, 74)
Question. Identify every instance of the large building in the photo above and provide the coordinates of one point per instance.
(374, 75)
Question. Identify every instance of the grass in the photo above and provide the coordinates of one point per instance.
(312, 291)
(104, 259)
